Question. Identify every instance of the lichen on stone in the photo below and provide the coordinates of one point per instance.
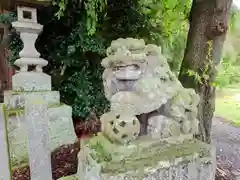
(143, 91)
(137, 80)
(143, 153)
(73, 177)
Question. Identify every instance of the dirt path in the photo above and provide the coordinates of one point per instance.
(226, 138)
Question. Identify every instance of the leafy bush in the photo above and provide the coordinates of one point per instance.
(228, 73)
(74, 63)
(229, 69)
(15, 43)
(76, 34)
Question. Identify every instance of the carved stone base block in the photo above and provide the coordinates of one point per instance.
(31, 81)
(148, 159)
(182, 162)
(38, 137)
(196, 170)
(15, 100)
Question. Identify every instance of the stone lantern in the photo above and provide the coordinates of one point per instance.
(29, 29)
(37, 123)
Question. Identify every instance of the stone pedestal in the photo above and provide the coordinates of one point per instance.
(31, 81)
(190, 160)
(148, 159)
(192, 166)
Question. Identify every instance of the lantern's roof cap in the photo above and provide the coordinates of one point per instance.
(12, 4)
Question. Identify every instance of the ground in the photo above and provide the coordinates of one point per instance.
(228, 105)
(226, 137)
(226, 128)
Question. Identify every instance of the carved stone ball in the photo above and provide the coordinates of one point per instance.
(120, 128)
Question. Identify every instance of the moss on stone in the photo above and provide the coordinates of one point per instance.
(21, 165)
(73, 177)
(145, 154)
(15, 111)
(22, 92)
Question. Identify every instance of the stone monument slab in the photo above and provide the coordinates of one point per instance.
(16, 100)
(37, 119)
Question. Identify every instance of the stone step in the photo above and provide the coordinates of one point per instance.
(16, 100)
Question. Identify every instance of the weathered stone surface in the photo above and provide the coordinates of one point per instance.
(138, 83)
(162, 127)
(31, 81)
(120, 128)
(38, 138)
(150, 159)
(137, 80)
(61, 131)
(15, 100)
(64, 163)
(191, 166)
(26, 80)
(4, 155)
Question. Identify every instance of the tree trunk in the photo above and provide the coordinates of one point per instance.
(208, 26)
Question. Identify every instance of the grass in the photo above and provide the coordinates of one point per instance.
(228, 105)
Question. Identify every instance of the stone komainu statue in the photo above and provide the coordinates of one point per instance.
(145, 96)
(146, 99)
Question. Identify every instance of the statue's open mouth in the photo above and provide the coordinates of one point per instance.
(129, 72)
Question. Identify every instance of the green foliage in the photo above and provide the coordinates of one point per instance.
(77, 32)
(228, 74)
(92, 9)
(229, 68)
(74, 64)
(203, 75)
(15, 43)
(169, 20)
(99, 152)
(234, 20)
(228, 105)
(16, 46)
(7, 18)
